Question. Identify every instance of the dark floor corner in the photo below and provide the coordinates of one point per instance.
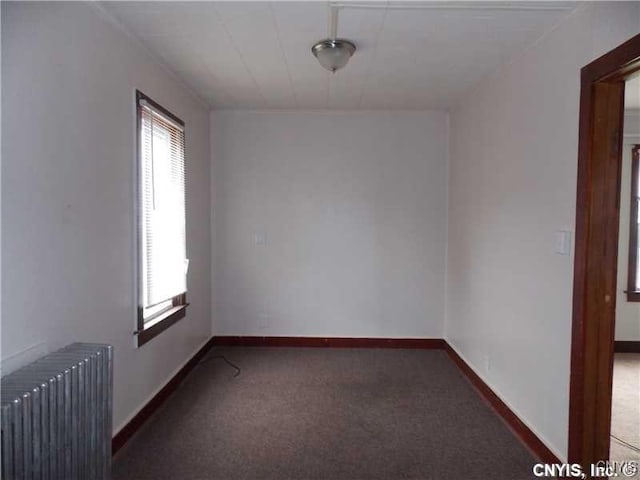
(331, 414)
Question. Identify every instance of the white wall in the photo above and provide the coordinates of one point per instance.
(353, 210)
(512, 186)
(68, 81)
(627, 313)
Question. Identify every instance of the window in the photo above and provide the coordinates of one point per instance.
(162, 261)
(633, 287)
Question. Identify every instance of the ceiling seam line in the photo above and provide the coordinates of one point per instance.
(327, 84)
(242, 59)
(284, 55)
(219, 86)
(373, 56)
(450, 6)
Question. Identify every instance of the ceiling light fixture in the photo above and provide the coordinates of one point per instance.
(333, 53)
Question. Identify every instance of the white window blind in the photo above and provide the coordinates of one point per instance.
(162, 208)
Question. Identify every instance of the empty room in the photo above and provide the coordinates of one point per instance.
(298, 240)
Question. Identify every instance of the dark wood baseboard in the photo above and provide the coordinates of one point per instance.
(152, 405)
(626, 346)
(524, 433)
(332, 342)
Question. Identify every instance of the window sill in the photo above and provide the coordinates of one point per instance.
(160, 323)
(633, 296)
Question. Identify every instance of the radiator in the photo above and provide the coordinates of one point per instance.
(56, 416)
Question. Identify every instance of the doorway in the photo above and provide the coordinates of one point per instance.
(625, 403)
(596, 251)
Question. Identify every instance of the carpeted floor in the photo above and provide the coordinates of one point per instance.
(625, 407)
(330, 414)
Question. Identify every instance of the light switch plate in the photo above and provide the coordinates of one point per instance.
(260, 238)
(563, 242)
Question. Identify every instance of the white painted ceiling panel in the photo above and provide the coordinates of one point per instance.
(411, 55)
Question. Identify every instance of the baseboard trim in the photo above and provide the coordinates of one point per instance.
(152, 405)
(626, 346)
(517, 426)
(330, 342)
(520, 430)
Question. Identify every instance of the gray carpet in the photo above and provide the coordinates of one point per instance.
(625, 408)
(330, 414)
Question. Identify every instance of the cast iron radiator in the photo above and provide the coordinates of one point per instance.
(56, 416)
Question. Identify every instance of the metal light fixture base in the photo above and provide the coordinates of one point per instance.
(333, 54)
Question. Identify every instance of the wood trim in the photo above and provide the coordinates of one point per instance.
(616, 65)
(152, 405)
(595, 275)
(632, 294)
(517, 426)
(576, 381)
(161, 323)
(627, 346)
(158, 107)
(331, 342)
(595, 264)
(164, 319)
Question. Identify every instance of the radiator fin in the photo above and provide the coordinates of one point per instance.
(56, 416)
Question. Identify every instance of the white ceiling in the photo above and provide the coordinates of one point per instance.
(257, 54)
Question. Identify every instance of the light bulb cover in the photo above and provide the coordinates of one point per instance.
(333, 54)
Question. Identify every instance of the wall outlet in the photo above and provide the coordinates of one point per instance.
(260, 238)
(487, 363)
(263, 320)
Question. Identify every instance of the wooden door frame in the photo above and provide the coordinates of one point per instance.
(595, 264)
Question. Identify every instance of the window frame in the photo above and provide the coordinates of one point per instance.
(150, 327)
(633, 294)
